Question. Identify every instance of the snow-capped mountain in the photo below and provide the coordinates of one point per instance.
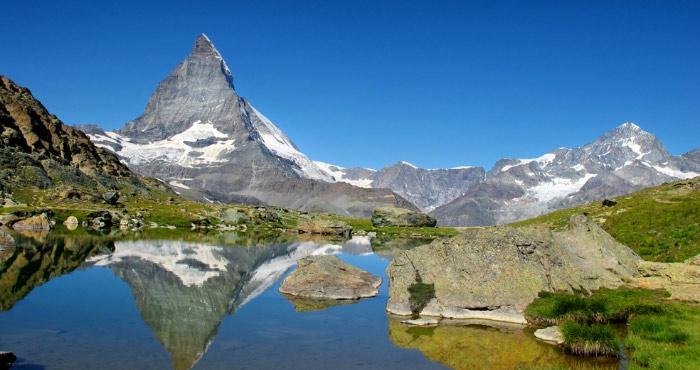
(208, 142)
(622, 160)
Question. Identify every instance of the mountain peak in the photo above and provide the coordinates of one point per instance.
(203, 43)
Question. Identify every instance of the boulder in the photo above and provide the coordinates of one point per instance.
(111, 197)
(393, 216)
(6, 238)
(326, 277)
(494, 273)
(323, 226)
(71, 223)
(99, 220)
(7, 359)
(609, 203)
(550, 334)
(40, 222)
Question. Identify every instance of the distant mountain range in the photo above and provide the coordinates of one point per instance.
(207, 142)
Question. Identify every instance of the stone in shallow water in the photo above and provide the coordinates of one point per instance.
(326, 277)
(550, 334)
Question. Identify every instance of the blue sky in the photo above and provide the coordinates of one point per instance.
(368, 83)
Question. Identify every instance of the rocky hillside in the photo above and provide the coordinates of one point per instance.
(209, 143)
(624, 159)
(37, 149)
(660, 223)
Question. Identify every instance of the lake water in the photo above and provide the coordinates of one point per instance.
(87, 303)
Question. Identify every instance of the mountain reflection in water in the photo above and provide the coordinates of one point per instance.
(183, 290)
(185, 293)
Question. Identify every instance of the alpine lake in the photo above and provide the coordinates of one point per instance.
(190, 301)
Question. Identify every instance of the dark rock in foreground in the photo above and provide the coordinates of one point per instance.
(393, 216)
(326, 277)
(7, 359)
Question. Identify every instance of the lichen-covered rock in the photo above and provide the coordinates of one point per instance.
(681, 280)
(326, 277)
(394, 216)
(323, 226)
(494, 273)
(40, 222)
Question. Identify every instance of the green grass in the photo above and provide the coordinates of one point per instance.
(660, 223)
(661, 334)
(590, 339)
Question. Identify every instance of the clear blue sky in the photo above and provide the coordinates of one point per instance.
(372, 82)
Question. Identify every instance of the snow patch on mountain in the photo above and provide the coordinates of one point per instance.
(558, 187)
(182, 149)
(543, 161)
(278, 143)
(338, 173)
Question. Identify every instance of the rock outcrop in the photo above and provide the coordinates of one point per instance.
(494, 273)
(40, 222)
(324, 226)
(681, 280)
(393, 216)
(326, 277)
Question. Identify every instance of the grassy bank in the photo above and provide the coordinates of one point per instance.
(659, 334)
(660, 223)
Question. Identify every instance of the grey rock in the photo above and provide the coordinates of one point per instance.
(40, 222)
(111, 197)
(496, 272)
(550, 334)
(393, 216)
(324, 226)
(326, 277)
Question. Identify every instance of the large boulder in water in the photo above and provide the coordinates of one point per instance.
(494, 273)
(326, 277)
(393, 216)
(40, 222)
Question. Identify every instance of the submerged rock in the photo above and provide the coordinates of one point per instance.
(550, 334)
(494, 273)
(326, 277)
(394, 216)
